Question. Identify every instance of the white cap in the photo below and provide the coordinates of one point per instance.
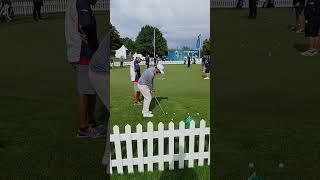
(161, 68)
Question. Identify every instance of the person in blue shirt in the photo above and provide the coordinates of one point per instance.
(135, 76)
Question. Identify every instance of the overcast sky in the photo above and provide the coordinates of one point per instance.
(181, 21)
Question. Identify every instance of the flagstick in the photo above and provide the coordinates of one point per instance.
(199, 45)
(154, 43)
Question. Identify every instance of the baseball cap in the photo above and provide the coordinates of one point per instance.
(161, 68)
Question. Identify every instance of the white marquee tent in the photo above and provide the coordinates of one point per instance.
(121, 52)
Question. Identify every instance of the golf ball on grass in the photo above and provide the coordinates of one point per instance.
(166, 112)
(174, 113)
(188, 113)
(172, 119)
(251, 165)
(281, 165)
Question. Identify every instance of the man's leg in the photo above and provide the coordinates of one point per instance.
(39, 12)
(297, 18)
(135, 97)
(255, 11)
(310, 42)
(145, 91)
(86, 100)
(139, 100)
(301, 21)
(91, 109)
(316, 40)
(136, 93)
(34, 12)
(250, 9)
(82, 111)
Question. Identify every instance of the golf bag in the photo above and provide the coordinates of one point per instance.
(239, 4)
(6, 11)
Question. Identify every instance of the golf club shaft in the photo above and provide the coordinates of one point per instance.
(160, 105)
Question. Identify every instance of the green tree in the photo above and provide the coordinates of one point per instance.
(129, 44)
(205, 47)
(115, 40)
(144, 41)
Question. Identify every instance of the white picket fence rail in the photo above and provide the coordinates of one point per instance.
(127, 63)
(150, 135)
(51, 6)
(233, 3)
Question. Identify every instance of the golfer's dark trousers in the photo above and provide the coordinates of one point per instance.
(252, 8)
(37, 11)
(148, 64)
(189, 63)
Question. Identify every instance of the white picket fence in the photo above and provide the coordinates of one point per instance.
(233, 3)
(142, 63)
(51, 6)
(161, 158)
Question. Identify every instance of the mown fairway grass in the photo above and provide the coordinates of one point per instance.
(266, 96)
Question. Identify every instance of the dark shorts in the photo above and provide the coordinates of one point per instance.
(299, 10)
(312, 28)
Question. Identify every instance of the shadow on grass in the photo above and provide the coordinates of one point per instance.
(154, 103)
(300, 47)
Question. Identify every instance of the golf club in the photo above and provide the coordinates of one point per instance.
(159, 105)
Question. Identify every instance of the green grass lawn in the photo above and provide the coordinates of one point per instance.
(266, 96)
(38, 118)
(180, 90)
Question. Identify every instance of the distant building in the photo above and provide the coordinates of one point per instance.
(179, 54)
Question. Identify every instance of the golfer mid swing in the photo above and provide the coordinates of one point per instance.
(145, 85)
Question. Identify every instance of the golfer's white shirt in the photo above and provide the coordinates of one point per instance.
(132, 71)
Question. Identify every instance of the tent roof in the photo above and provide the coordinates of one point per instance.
(122, 48)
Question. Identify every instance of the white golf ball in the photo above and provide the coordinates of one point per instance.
(166, 112)
(188, 113)
(172, 119)
(197, 113)
(251, 165)
(174, 113)
(281, 165)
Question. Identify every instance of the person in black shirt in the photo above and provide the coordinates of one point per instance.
(155, 60)
(207, 65)
(37, 4)
(148, 61)
(189, 60)
(252, 9)
(312, 26)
